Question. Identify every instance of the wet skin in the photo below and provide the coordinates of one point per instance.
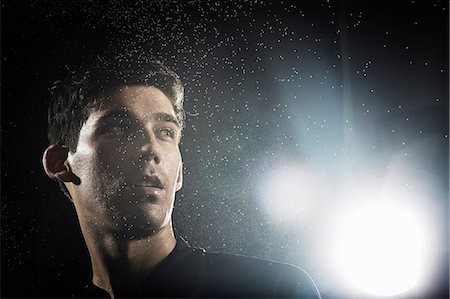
(129, 164)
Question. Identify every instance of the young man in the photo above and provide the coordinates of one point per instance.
(114, 134)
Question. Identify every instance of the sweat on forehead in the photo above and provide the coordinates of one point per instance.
(141, 101)
(131, 94)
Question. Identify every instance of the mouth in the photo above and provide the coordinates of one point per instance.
(151, 185)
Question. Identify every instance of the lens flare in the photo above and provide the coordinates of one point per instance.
(288, 193)
(382, 247)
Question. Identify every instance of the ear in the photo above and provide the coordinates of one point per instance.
(180, 178)
(56, 165)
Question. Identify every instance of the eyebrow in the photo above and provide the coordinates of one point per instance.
(165, 117)
(158, 116)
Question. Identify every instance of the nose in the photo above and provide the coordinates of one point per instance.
(149, 150)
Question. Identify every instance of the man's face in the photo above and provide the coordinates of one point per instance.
(129, 163)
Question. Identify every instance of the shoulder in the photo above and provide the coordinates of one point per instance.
(259, 277)
(213, 274)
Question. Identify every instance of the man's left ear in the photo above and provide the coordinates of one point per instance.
(180, 178)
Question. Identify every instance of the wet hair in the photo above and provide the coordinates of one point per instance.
(74, 98)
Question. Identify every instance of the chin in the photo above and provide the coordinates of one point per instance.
(139, 217)
(140, 228)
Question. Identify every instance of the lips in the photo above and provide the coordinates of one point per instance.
(150, 185)
(150, 181)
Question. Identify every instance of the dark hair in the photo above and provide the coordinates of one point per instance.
(74, 98)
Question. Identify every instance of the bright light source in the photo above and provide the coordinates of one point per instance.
(288, 193)
(381, 247)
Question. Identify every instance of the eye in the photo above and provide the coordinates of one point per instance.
(119, 128)
(116, 129)
(165, 133)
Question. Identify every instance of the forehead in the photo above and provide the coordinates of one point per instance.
(138, 99)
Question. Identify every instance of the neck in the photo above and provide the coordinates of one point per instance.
(120, 265)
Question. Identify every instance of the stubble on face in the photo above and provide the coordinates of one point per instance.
(111, 165)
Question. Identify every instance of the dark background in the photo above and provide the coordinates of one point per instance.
(338, 86)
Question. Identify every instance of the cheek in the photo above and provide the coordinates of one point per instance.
(173, 163)
(104, 165)
(114, 157)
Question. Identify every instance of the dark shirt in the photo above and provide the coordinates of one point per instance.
(190, 272)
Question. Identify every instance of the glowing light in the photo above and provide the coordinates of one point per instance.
(381, 247)
(288, 193)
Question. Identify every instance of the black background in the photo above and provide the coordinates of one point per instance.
(244, 64)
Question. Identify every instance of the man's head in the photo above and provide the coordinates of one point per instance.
(114, 132)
